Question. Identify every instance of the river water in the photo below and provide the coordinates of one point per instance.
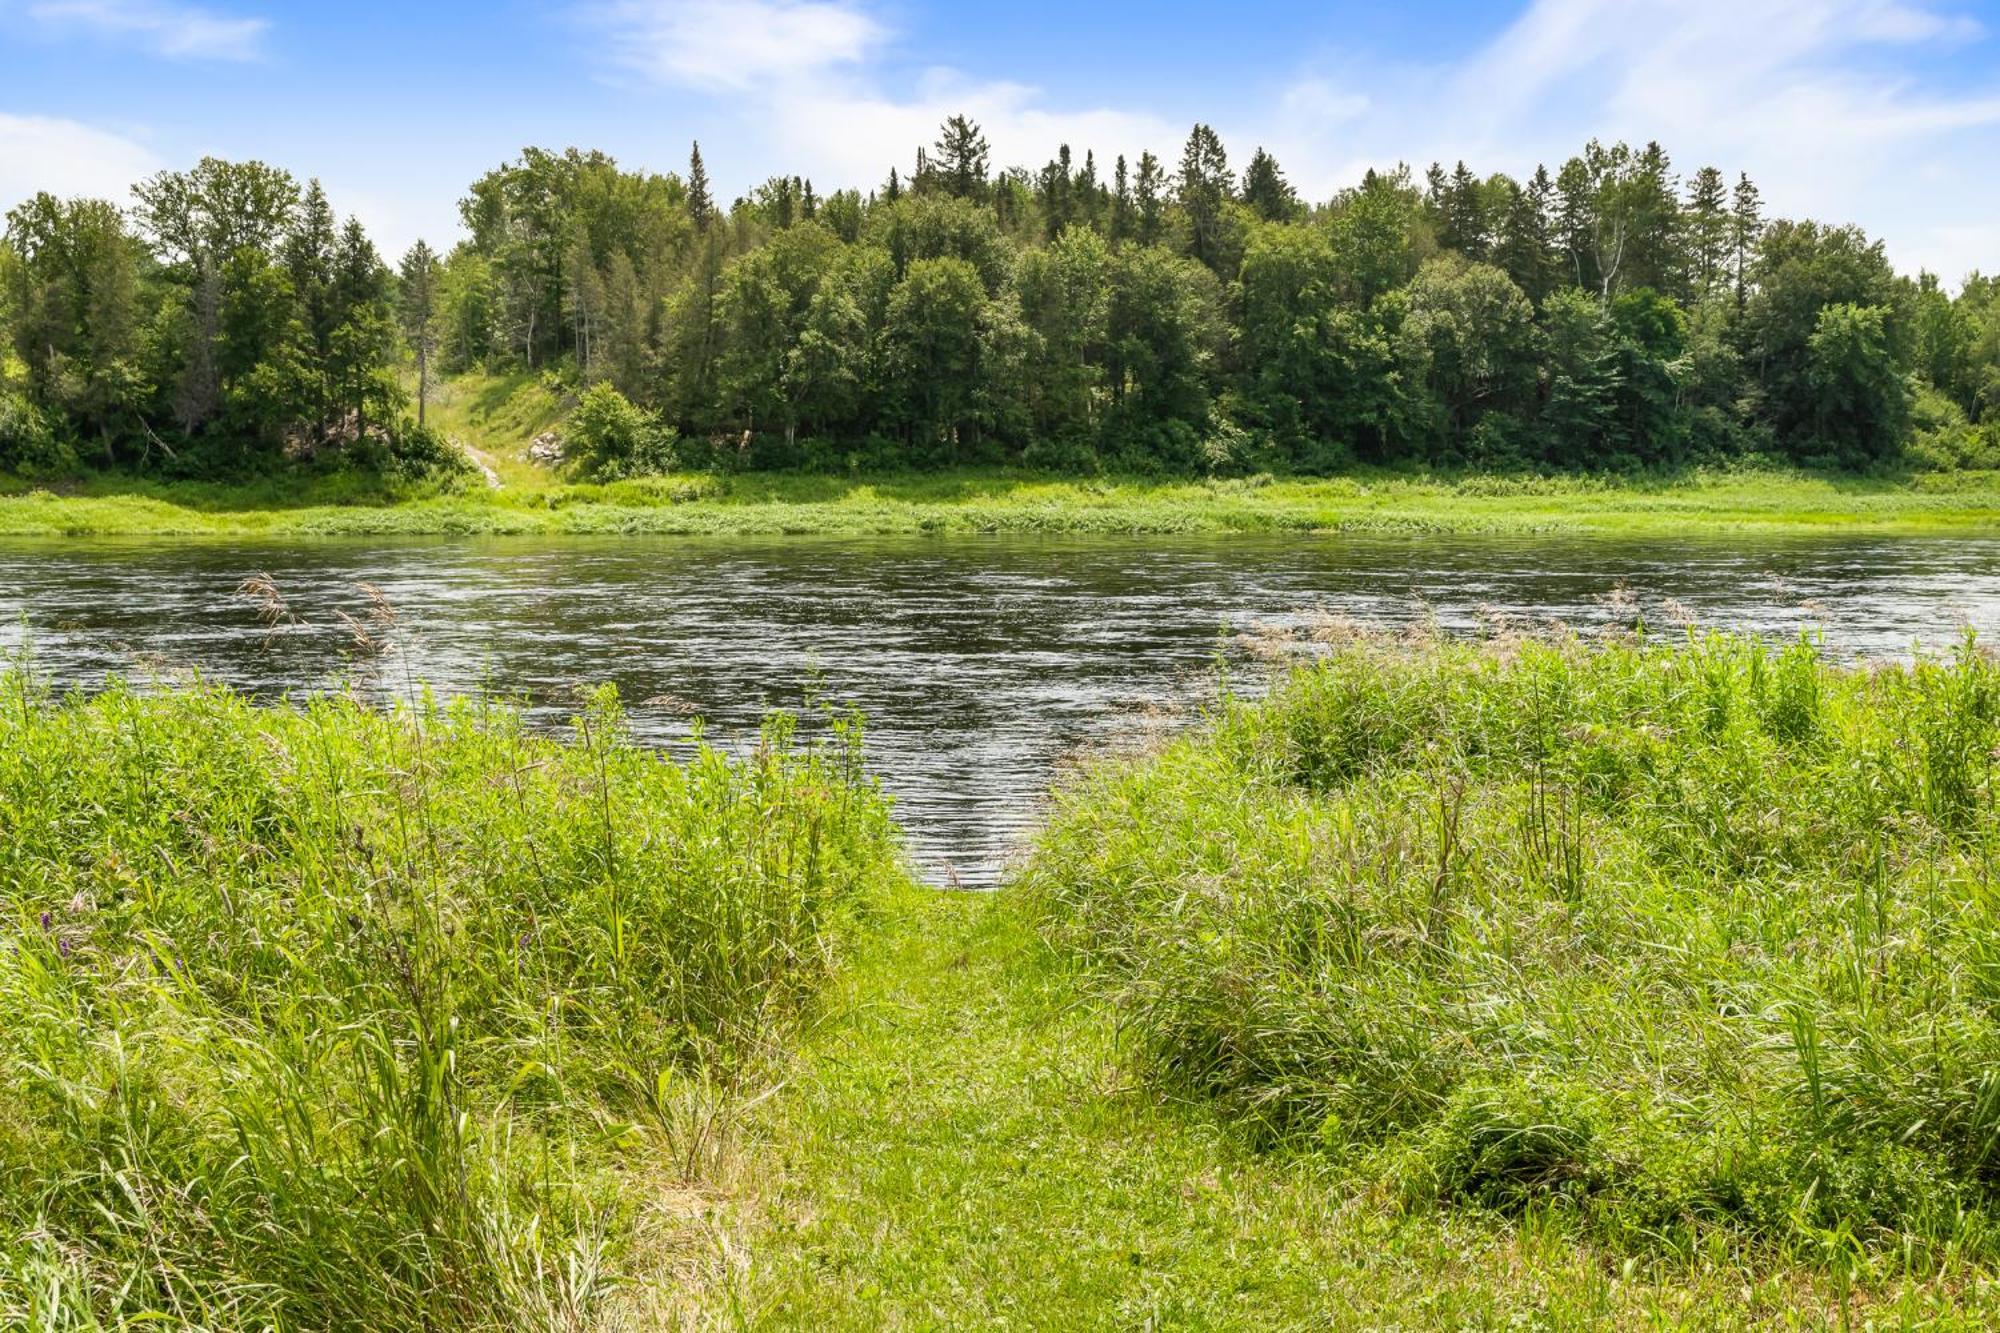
(982, 665)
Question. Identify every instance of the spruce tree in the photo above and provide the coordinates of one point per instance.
(961, 158)
(1708, 230)
(1121, 201)
(701, 206)
(1746, 229)
(1146, 198)
(1266, 190)
(1204, 190)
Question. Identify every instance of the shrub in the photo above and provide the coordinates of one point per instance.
(609, 438)
(1675, 936)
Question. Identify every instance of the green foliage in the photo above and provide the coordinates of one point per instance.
(1121, 322)
(1673, 939)
(608, 438)
(321, 1016)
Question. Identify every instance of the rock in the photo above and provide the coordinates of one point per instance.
(546, 449)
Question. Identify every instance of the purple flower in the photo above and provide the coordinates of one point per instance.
(62, 947)
(46, 920)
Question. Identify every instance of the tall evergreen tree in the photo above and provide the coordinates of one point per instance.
(1121, 201)
(1746, 231)
(419, 311)
(1146, 200)
(700, 206)
(1708, 231)
(1203, 191)
(1266, 190)
(961, 158)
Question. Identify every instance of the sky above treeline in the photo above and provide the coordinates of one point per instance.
(1884, 113)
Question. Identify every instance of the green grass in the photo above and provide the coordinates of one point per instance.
(966, 502)
(323, 1016)
(966, 1140)
(1506, 985)
(1694, 948)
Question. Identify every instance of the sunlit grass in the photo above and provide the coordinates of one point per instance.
(324, 1016)
(969, 502)
(1686, 948)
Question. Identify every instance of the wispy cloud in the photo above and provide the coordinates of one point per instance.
(1822, 101)
(808, 76)
(735, 44)
(66, 157)
(183, 32)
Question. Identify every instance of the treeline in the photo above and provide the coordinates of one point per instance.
(1608, 315)
(227, 322)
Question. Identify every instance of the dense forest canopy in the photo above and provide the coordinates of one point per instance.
(1133, 315)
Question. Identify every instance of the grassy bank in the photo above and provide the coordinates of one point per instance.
(319, 1016)
(1690, 951)
(530, 502)
(963, 1143)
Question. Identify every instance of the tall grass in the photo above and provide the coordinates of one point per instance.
(321, 1016)
(1694, 944)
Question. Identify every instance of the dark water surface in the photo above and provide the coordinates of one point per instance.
(980, 663)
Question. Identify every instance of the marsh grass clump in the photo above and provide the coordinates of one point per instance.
(1679, 941)
(325, 1016)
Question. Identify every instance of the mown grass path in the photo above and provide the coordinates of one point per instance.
(961, 1147)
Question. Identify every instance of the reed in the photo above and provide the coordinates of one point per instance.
(1687, 946)
(326, 1016)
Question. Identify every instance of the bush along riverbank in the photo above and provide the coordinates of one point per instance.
(323, 1016)
(1689, 949)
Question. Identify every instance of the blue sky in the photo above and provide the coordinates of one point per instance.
(1881, 112)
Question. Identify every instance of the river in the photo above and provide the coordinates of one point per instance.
(982, 665)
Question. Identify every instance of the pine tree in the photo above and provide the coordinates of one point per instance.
(1708, 230)
(701, 206)
(419, 313)
(1266, 190)
(961, 163)
(1746, 230)
(1464, 215)
(1522, 246)
(1054, 194)
(893, 190)
(1146, 198)
(1086, 195)
(1121, 201)
(1203, 191)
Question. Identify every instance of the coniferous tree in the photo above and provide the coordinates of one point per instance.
(1708, 231)
(419, 311)
(1121, 201)
(700, 206)
(1203, 191)
(1746, 231)
(1266, 190)
(1146, 200)
(961, 158)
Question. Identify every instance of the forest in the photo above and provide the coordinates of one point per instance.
(1139, 317)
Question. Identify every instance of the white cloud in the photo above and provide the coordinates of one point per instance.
(735, 44)
(855, 133)
(1816, 99)
(67, 158)
(180, 31)
(805, 73)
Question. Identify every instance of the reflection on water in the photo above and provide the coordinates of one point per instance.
(980, 663)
